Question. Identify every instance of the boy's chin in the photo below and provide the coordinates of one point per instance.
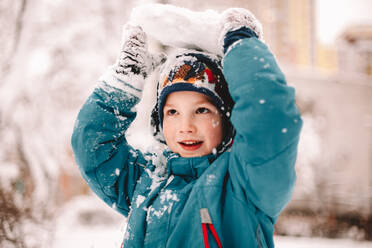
(193, 154)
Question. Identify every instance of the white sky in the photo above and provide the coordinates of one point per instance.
(335, 15)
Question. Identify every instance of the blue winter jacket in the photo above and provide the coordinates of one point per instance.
(170, 199)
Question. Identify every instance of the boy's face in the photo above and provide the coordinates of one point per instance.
(192, 125)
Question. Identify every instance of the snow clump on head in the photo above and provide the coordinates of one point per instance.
(191, 70)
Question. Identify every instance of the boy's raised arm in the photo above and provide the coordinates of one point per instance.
(107, 162)
(265, 116)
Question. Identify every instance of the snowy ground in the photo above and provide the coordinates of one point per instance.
(295, 242)
(86, 222)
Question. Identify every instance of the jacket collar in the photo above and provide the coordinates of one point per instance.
(188, 167)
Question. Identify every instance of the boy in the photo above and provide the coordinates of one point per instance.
(232, 135)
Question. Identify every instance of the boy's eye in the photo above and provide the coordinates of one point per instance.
(171, 112)
(202, 110)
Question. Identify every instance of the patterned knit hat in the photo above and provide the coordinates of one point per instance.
(190, 70)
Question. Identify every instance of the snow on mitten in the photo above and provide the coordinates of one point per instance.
(238, 23)
(135, 62)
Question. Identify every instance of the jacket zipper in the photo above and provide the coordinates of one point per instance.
(207, 223)
(258, 237)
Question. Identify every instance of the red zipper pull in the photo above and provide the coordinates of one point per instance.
(207, 222)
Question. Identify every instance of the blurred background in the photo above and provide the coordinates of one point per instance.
(53, 52)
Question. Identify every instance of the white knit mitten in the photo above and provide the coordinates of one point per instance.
(135, 62)
(235, 18)
(134, 57)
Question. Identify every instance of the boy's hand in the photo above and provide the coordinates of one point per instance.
(238, 23)
(134, 57)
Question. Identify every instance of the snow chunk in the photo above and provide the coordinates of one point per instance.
(170, 179)
(179, 27)
(111, 81)
(214, 151)
(133, 153)
(140, 199)
(210, 178)
(284, 130)
(118, 115)
(262, 101)
(215, 123)
(158, 213)
(160, 173)
(168, 195)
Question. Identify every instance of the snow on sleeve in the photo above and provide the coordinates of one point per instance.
(139, 200)
(179, 27)
(168, 195)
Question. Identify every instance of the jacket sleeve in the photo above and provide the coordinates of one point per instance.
(110, 166)
(267, 124)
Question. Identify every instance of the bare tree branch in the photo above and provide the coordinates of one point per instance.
(16, 40)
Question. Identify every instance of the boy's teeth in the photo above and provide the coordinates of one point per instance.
(190, 142)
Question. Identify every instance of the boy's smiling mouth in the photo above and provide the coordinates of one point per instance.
(190, 145)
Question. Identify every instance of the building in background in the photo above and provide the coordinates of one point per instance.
(355, 50)
(289, 26)
(290, 30)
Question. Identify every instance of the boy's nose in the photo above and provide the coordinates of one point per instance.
(187, 125)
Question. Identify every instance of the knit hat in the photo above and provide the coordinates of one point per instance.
(190, 70)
